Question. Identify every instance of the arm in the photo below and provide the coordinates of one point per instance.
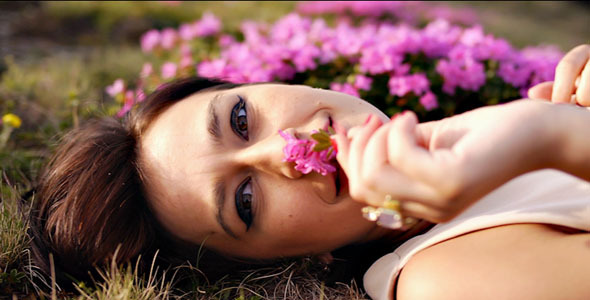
(574, 156)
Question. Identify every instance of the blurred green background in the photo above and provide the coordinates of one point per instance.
(56, 58)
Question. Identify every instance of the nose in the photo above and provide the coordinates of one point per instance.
(267, 156)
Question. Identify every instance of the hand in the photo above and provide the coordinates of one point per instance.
(572, 80)
(437, 169)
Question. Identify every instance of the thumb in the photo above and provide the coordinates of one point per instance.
(541, 91)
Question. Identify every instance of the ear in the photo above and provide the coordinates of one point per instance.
(325, 258)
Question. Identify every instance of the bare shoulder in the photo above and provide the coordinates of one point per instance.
(520, 261)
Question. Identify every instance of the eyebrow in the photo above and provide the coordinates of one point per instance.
(213, 121)
(215, 135)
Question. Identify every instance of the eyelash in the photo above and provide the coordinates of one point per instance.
(239, 120)
(244, 202)
(244, 195)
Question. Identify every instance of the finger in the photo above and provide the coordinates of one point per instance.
(343, 144)
(541, 91)
(405, 154)
(583, 89)
(355, 159)
(566, 72)
(424, 132)
(375, 153)
(380, 176)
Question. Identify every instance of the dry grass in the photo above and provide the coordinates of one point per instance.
(124, 282)
(13, 236)
(18, 276)
(294, 279)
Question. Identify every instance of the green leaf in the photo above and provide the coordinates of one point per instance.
(321, 146)
(321, 136)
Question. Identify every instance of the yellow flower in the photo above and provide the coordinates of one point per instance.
(11, 120)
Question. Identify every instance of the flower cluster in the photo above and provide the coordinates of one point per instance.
(310, 155)
(127, 97)
(436, 70)
(168, 38)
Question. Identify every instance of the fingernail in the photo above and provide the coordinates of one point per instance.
(368, 119)
(379, 122)
(395, 116)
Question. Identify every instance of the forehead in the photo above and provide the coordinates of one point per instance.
(179, 161)
(165, 149)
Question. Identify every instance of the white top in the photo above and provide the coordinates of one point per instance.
(546, 196)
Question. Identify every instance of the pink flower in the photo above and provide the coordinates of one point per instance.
(168, 38)
(139, 95)
(429, 101)
(150, 40)
(169, 70)
(129, 100)
(401, 85)
(363, 82)
(208, 25)
(306, 160)
(187, 32)
(146, 70)
(295, 148)
(226, 40)
(116, 88)
(186, 62)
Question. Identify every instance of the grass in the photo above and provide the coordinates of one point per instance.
(16, 270)
(69, 51)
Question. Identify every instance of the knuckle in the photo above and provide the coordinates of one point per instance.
(395, 157)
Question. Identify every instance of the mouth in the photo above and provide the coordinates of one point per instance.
(340, 180)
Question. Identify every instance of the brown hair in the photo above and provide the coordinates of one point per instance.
(90, 198)
(90, 201)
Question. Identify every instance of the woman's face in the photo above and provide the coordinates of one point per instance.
(216, 174)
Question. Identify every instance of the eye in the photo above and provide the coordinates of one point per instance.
(244, 202)
(239, 119)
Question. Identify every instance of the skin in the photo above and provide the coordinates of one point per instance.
(294, 214)
(437, 169)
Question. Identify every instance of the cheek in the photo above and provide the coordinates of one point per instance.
(305, 224)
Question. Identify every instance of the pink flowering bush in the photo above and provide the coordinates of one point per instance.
(436, 66)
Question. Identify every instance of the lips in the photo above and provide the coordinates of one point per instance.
(340, 180)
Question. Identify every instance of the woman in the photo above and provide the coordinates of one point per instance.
(201, 163)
